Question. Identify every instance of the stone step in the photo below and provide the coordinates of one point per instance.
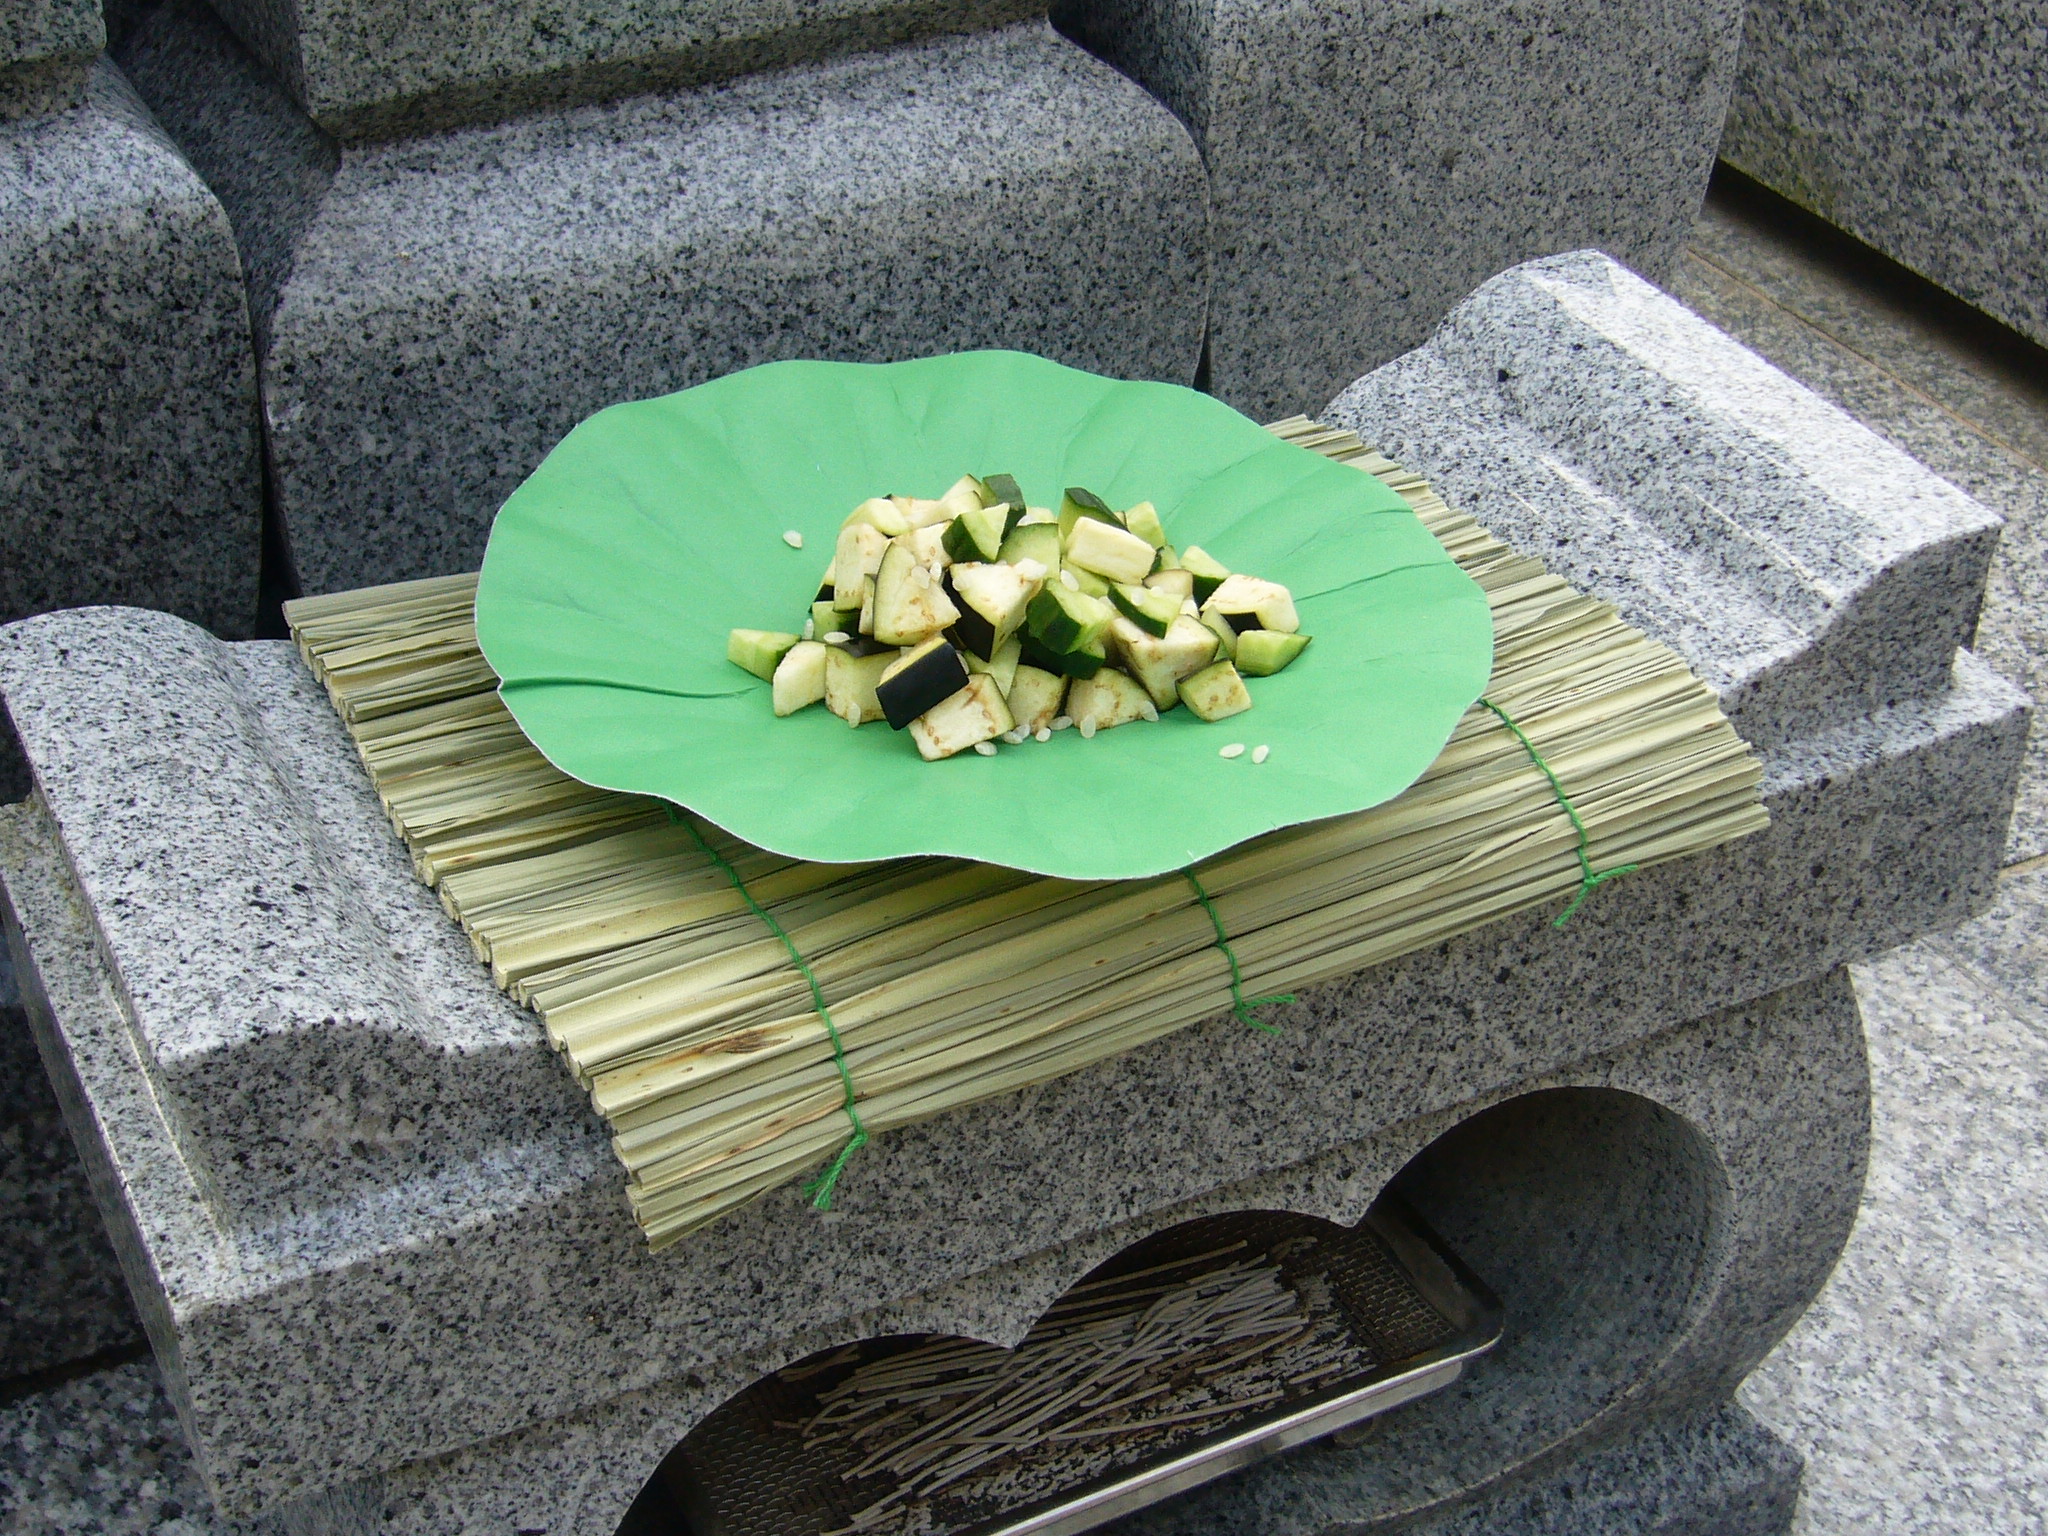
(434, 315)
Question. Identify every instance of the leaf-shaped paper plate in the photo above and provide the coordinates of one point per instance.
(616, 569)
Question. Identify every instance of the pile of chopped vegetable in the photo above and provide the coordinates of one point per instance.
(973, 618)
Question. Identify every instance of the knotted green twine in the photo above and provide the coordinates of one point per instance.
(1587, 878)
(1244, 1006)
(819, 1189)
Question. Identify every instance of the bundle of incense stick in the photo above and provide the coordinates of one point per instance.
(1119, 1369)
(953, 982)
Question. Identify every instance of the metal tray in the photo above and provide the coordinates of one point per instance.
(1404, 1300)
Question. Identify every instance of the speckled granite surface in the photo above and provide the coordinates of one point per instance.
(397, 66)
(1978, 419)
(46, 50)
(455, 304)
(1918, 1383)
(1917, 128)
(1371, 164)
(128, 442)
(1806, 568)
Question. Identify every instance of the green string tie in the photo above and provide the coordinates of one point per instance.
(819, 1189)
(1587, 878)
(1245, 1005)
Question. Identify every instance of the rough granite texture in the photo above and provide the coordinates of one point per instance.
(46, 53)
(128, 457)
(1916, 128)
(385, 67)
(435, 314)
(1371, 163)
(1805, 567)
(292, 1083)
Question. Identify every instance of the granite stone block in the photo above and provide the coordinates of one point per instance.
(1805, 567)
(435, 314)
(128, 459)
(316, 1348)
(1916, 128)
(384, 67)
(1371, 163)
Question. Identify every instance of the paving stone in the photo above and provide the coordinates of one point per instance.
(1916, 128)
(434, 314)
(1916, 1385)
(1371, 164)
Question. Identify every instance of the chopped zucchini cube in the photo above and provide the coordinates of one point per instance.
(1066, 620)
(1180, 583)
(1215, 693)
(1003, 665)
(1033, 541)
(977, 535)
(799, 681)
(1109, 551)
(760, 651)
(1079, 502)
(1085, 662)
(1209, 572)
(1249, 602)
(881, 513)
(1143, 520)
(1151, 611)
(1160, 662)
(976, 713)
(1262, 652)
(1002, 489)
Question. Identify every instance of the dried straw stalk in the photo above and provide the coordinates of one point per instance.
(953, 982)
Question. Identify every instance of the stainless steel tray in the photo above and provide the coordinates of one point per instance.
(1404, 1300)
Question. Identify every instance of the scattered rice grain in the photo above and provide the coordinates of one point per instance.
(985, 748)
(1235, 749)
(1261, 752)
(1061, 722)
(1067, 581)
(1149, 710)
(793, 539)
(1043, 733)
(1087, 728)
(836, 637)
(810, 629)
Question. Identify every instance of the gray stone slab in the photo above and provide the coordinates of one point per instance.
(436, 314)
(46, 51)
(61, 1293)
(1916, 1384)
(1918, 129)
(128, 457)
(1804, 566)
(1371, 164)
(383, 67)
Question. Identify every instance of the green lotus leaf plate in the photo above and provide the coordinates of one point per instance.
(615, 571)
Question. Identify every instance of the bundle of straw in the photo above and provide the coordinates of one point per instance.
(953, 982)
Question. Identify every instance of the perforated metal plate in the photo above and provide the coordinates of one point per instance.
(1405, 1304)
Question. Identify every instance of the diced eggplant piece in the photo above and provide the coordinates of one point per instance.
(1160, 662)
(910, 599)
(1110, 698)
(1003, 665)
(799, 681)
(919, 678)
(1000, 593)
(850, 683)
(882, 513)
(1151, 611)
(1085, 662)
(1262, 652)
(826, 587)
(1109, 551)
(760, 651)
(929, 545)
(1143, 520)
(1215, 693)
(825, 619)
(1079, 502)
(1209, 572)
(864, 621)
(1033, 541)
(1063, 619)
(977, 535)
(1250, 602)
(976, 713)
(857, 555)
(862, 645)
(1034, 697)
(1180, 583)
(1168, 560)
